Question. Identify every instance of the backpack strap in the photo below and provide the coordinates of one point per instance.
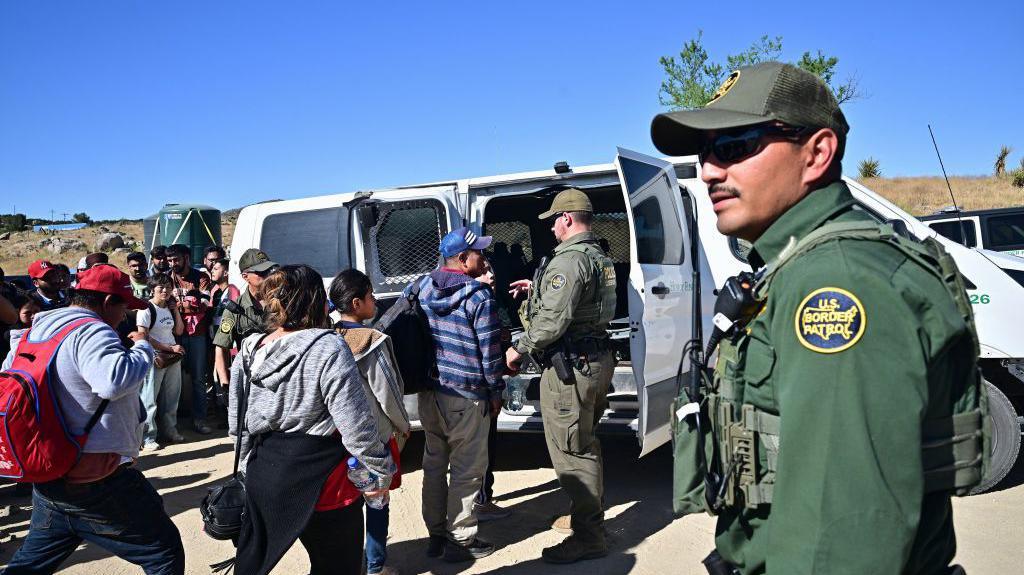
(30, 350)
(152, 315)
(830, 231)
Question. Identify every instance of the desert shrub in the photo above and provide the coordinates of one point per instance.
(870, 168)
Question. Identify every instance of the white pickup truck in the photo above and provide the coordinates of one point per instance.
(644, 209)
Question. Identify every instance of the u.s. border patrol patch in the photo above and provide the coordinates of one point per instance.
(830, 320)
(557, 281)
(226, 324)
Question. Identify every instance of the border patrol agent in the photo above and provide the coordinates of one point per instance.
(848, 408)
(571, 300)
(234, 327)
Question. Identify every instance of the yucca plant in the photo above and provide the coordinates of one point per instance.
(1000, 165)
(870, 168)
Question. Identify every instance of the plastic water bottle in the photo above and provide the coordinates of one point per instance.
(365, 480)
(516, 393)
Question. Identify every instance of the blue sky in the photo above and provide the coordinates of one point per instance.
(114, 108)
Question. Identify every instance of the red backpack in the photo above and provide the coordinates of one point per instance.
(35, 443)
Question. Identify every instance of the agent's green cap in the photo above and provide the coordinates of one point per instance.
(766, 92)
(569, 200)
(254, 260)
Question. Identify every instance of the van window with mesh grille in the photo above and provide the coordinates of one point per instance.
(405, 242)
(511, 234)
(613, 228)
(317, 238)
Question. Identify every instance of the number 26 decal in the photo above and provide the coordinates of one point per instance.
(980, 299)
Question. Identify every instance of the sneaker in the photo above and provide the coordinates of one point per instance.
(150, 446)
(459, 552)
(572, 550)
(435, 547)
(489, 511)
(203, 429)
(175, 437)
(562, 524)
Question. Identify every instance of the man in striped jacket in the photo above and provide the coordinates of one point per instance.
(456, 412)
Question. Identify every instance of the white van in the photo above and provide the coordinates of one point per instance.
(644, 209)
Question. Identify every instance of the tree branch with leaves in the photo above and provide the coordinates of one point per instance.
(692, 77)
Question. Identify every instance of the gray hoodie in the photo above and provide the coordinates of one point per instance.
(303, 383)
(92, 365)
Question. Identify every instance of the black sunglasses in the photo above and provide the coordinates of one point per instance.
(735, 145)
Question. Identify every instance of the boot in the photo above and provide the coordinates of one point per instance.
(574, 549)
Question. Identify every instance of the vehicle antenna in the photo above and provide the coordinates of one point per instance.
(956, 208)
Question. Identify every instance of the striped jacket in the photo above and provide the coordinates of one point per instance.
(467, 334)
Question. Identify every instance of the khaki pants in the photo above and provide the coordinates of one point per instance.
(456, 438)
(571, 413)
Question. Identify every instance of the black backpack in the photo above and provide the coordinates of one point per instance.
(406, 324)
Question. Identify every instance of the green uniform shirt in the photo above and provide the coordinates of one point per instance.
(574, 295)
(234, 327)
(855, 347)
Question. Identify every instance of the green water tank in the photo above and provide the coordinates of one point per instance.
(197, 226)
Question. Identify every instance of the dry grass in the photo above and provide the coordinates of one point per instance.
(924, 195)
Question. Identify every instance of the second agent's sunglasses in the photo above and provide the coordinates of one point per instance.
(740, 143)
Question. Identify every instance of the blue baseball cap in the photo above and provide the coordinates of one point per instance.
(462, 239)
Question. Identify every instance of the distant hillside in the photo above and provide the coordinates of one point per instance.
(22, 248)
(919, 196)
(925, 195)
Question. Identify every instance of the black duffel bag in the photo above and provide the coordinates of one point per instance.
(223, 507)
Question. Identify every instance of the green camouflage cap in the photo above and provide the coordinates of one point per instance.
(254, 260)
(766, 92)
(569, 200)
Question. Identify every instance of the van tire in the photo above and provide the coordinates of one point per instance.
(1005, 438)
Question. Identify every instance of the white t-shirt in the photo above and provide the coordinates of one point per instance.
(163, 329)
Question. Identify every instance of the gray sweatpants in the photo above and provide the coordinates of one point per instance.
(456, 443)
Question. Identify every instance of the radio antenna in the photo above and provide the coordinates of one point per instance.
(956, 208)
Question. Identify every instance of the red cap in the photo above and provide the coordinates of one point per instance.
(105, 278)
(38, 269)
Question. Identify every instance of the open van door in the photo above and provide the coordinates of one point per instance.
(659, 288)
(397, 234)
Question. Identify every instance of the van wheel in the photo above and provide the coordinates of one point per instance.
(1005, 439)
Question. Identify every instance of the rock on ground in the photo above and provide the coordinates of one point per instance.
(108, 242)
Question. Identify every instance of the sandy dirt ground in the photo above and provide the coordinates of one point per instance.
(644, 535)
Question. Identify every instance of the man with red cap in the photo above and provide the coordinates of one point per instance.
(50, 284)
(103, 499)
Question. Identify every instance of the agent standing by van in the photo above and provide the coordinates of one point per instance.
(855, 385)
(566, 320)
(235, 327)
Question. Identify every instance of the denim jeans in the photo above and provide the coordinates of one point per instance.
(122, 514)
(196, 347)
(376, 539)
(160, 393)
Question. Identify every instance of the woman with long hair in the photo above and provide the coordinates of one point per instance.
(352, 295)
(306, 411)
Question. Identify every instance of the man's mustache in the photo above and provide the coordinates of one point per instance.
(724, 189)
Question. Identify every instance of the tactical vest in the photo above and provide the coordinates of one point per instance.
(597, 306)
(955, 450)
